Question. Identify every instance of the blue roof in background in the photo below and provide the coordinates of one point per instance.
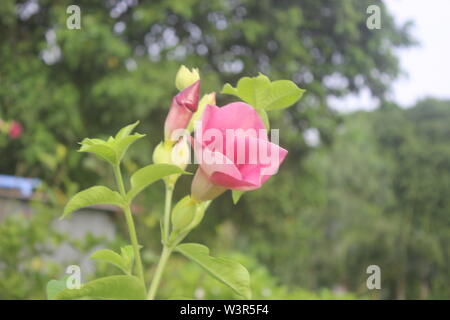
(24, 185)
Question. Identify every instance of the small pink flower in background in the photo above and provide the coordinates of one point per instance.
(15, 129)
(237, 162)
(184, 104)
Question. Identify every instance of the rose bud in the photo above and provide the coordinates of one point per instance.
(184, 104)
(233, 150)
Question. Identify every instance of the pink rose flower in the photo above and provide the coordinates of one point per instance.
(233, 150)
(15, 129)
(184, 104)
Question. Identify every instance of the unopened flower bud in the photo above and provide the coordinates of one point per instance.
(183, 213)
(184, 104)
(162, 153)
(178, 154)
(186, 77)
(181, 153)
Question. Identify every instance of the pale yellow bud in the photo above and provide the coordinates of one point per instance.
(186, 77)
(186, 215)
(181, 154)
(183, 213)
(162, 153)
(178, 155)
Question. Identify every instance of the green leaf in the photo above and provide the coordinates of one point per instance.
(126, 131)
(283, 94)
(236, 195)
(114, 148)
(228, 89)
(108, 288)
(254, 91)
(113, 258)
(263, 94)
(56, 286)
(144, 177)
(124, 261)
(229, 272)
(100, 149)
(121, 145)
(92, 196)
(127, 253)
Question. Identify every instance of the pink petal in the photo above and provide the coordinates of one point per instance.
(229, 182)
(221, 164)
(237, 116)
(260, 158)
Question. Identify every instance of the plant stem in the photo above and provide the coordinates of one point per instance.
(135, 244)
(159, 271)
(167, 208)
(119, 179)
(131, 227)
(166, 249)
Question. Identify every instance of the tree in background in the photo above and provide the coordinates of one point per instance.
(375, 195)
(60, 82)
(385, 185)
(416, 141)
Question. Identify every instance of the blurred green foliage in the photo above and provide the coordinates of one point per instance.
(188, 281)
(24, 270)
(374, 191)
(32, 250)
(64, 85)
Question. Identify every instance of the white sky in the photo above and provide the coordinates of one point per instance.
(427, 66)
